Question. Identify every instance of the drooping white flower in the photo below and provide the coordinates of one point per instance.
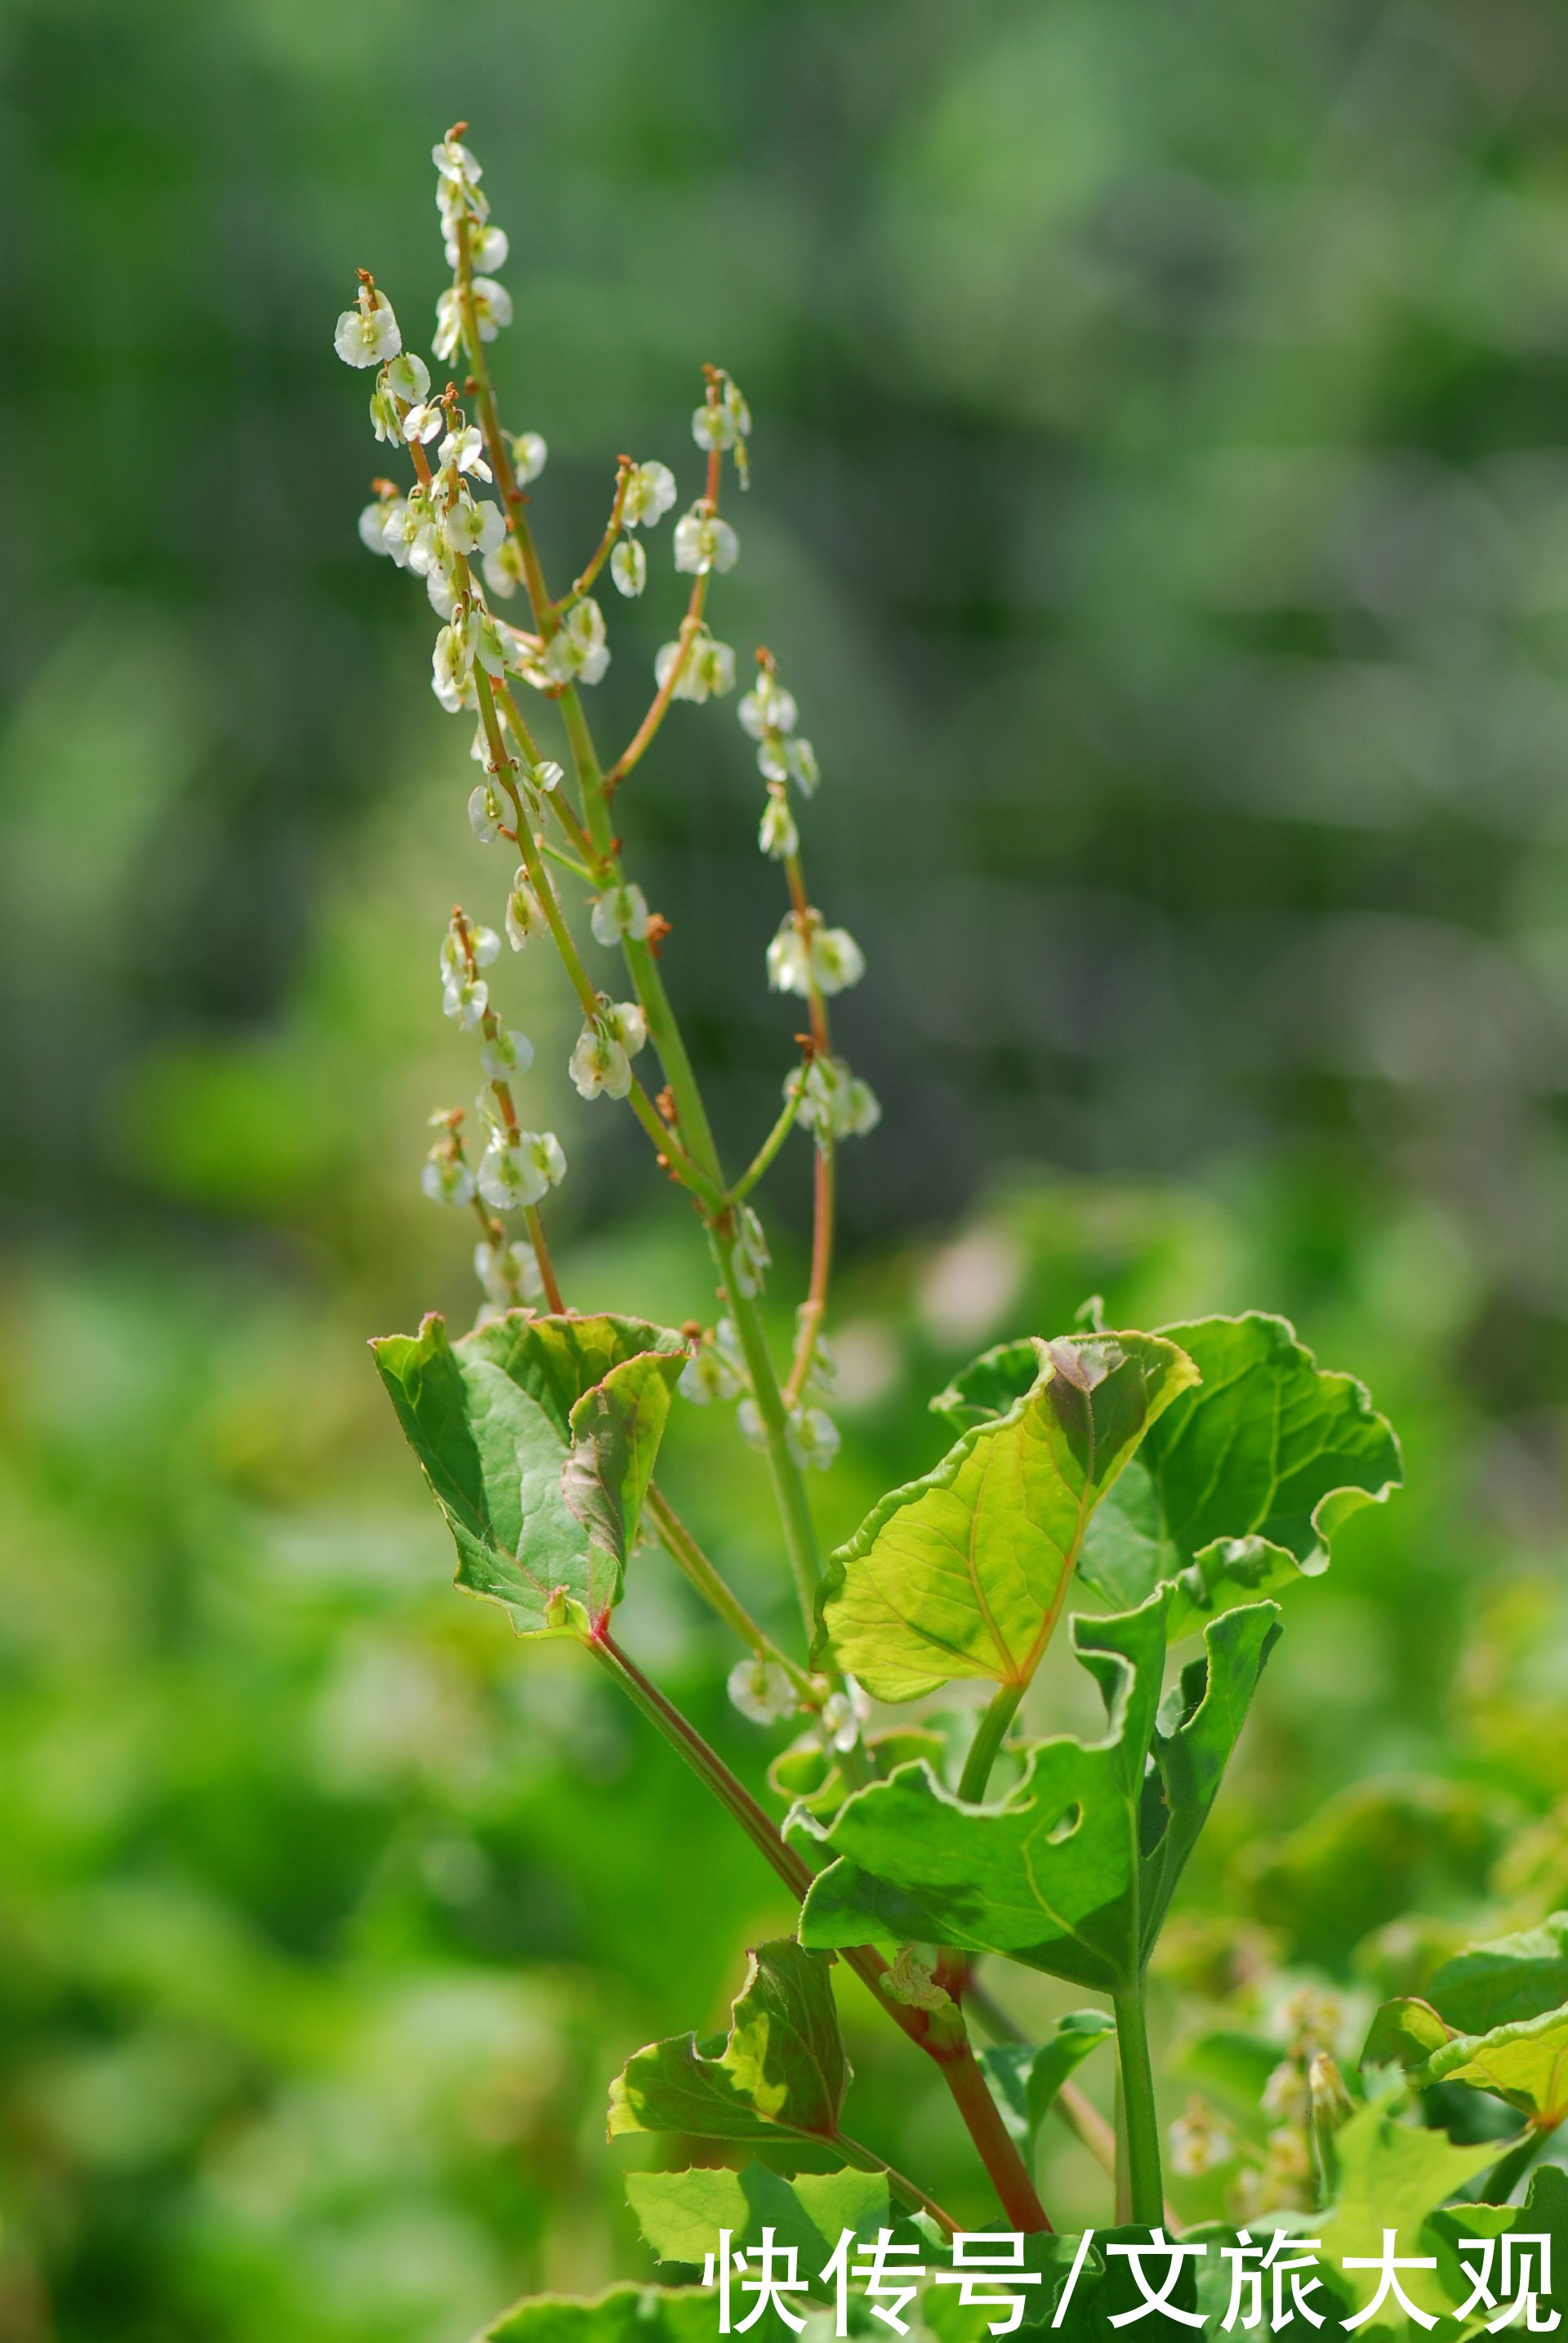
(761, 1690)
(710, 1373)
(776, 834)
(751, 1259)
(367, 334)
(828, 957)
(813, 1438)
(452, 661)
(528, 456)
(724, 422)
(448, 323)
(487, 812)
(465, 999)
(704, 542)
(484, 943)
(492, 307)
(444, 1176)
(843, 1714)
(464, 450)
(577, 651)
(510, 1273)
(407, 378)
(600, 1065)
(620, 911)
(837, 959)
(546, 775)
(650, 493)
(373, 526)
(488, 247)
(503, 569)
(491, 648)
(628, 566)
(385, 420)
(519, 1167)
(767, 707)
(454, 164)
(507, 1056)
(627, 1023)
(475, 525)
(801, 764)
(708, 668)
(524, 916)
(1199, 2141)
(423, 421)
(833, 1099)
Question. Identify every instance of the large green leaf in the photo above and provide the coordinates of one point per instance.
(1026, 2079)
(627, 2314)
(1505, 1979)
(1393, 2175)
(490, 1419)
(1072, 1870)
(1240, 1487)
(964, 1572)
(1525, 2063)
(781, 2069)
(680, 2214)
(615, 1428)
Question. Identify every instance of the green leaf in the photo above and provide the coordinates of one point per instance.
(1024, 2079)
(489, 1418)
(1393, 2175)
(814, 1777)
(1405, 2033)
(680, 2214)
(1543, 2214)
(990, 1385)
(1073, 1870)
(1240, 1486)
(627, 2314)
(1504, 1980)
(781, 2069)
(964, 1572)
(1525, 2064)
(615, 1428)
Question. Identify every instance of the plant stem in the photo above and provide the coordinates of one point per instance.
(535, 1229)
(768, 1148)
(988, 1740)
(701, 1573)
(868, 2160)
(998, 2151)
(1140, 2134)
(1075, 2109)
(814, 1307)
(686, 1740)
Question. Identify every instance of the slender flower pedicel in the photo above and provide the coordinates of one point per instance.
(1112, 1463)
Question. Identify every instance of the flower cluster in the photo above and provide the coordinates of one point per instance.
(517, 1166)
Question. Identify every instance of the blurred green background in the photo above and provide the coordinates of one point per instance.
(1162, 514)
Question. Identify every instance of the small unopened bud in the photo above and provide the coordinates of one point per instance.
(1332, 2103)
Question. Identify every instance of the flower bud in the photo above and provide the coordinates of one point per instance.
(628, 566)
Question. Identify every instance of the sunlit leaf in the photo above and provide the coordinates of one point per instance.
(1505, 1979)
(627, 2314)
(1071, 1872)
(782, 2068)
(1240, 1486)
(1026, 2079)
(680, 2214)
(1393, 2175)
(964, 1572)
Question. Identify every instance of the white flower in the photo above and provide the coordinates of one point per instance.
(576, 650)
(650, 493)
(761, 1691)
(492, 307)
(369, 334)
(448, 323)
(407, 378)
(598, 1063)
(704, 542)
(465, 450)
(484, 943)
(503, 569)
(524, 917)
(456, 164)
(384, 420)
(813, 1438)
(627, 1024)
(1198, 2142)
(519, 1167)
(843, 1714)
(767, 708)
(507, 1057)
(452, 661)
(423, 421)
(373, 526)
(829, 958)
(628, 566)
(528, 455)
(724, 423)
(751, 1259)
(493, 653)
(777, 835)
(444, 1178)
(488, 247)
(546, 775)
(801, 764)
(466, 999)
(710, 1373)
(487, 812)
(834, 1100)
(620, 911)
(708, 668)
(510, 1273)
(474, 527)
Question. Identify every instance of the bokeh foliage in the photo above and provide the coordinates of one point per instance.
(1161, 515)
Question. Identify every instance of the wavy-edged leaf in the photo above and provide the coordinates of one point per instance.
(1026, 2079)
(1073, 1870)
(964, 1572)
(1240, 1486)
(1505, 1979)
(489, 1418)
(782, 2068)
(615, 1428)
(1405, 2033)
(680, 2214)
(625, 2314)
(807, 1774)
(990, 1385)
(1525, 2064)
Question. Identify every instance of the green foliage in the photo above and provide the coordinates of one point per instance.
(1026, 2079)
(1244, 1479)
(1505, 1979)
(625, 2314)
(782, 2069)
(1493, 2018)
(680, 2214)
(1073, 1871)
(1391, 2176)
(503, 1417)
(964, 1572)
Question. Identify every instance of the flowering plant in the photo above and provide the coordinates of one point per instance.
(1178, 1481)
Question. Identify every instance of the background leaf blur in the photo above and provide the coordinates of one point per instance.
(1162, 514)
